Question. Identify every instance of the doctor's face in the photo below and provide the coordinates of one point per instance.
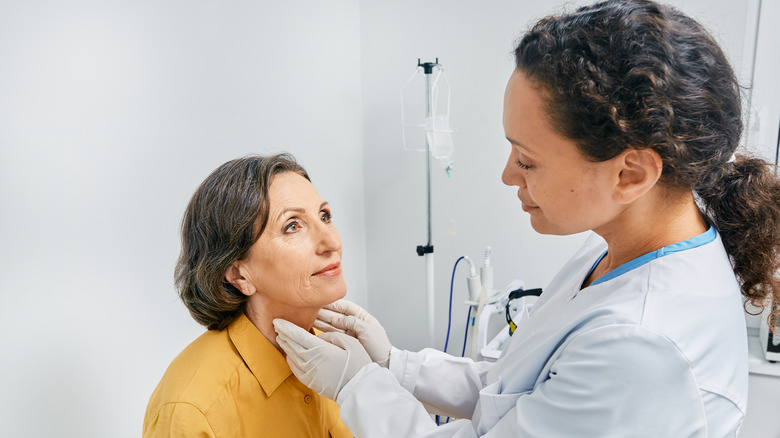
(296, 262)
(564, 192)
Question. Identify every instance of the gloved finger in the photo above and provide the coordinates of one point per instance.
(296, 361)
(306, 355)
(352, 355)
(296, 368)
(307, 377)
(356, 327)
(331, 336)
(345, 307)
(307, 361)
(330, 317)
(345, 323)
(295, 334)
(326, 327)
(289, 351)
(342, 341)
(289, 346)
(349, 308)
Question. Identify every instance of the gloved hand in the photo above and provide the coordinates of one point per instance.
(325, 363)
(347, 317)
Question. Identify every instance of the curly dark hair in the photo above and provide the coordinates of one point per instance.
(633, 73)
(225, 217)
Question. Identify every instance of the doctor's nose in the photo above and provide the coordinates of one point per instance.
(513, 175)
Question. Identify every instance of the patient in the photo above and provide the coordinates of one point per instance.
(257, 244)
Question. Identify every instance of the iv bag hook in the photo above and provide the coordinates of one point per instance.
(428, 66)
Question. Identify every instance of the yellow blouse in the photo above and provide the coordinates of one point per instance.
(235, 383)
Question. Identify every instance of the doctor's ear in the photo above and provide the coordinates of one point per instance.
(236, 276)
(640, 169)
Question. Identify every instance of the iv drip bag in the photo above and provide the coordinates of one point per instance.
(425, 115)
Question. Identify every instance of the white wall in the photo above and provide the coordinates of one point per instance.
(765, 103)
(474, 42)
(111, 113)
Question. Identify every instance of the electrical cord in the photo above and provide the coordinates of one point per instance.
(466, 336)
(449, 321)
(449, 317)
(462, 353)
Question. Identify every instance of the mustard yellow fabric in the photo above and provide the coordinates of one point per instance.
(235, 383)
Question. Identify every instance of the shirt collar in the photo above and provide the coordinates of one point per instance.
(263, 359)
(694, 242)
(266, 363)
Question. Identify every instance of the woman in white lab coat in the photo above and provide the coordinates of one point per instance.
(621, 116)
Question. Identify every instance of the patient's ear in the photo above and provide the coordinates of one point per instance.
(237, 276)
(640, 169)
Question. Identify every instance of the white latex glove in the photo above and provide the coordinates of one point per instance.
(347, 317)
(325, 363)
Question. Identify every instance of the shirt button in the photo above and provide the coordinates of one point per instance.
(307, 399)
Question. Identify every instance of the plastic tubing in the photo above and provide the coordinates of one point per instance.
(449, 316)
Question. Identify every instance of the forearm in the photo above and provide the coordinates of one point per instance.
(374, 405)
(444, 384)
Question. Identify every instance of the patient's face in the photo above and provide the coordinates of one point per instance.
(296, 262)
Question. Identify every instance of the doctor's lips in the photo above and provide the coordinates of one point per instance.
(528, 207)
(330, 270)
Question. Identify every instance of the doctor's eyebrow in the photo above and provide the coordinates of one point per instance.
(516, 143)
(519, 144)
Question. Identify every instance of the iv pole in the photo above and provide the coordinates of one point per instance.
(427, 250)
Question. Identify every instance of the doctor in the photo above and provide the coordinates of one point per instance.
(620, 115)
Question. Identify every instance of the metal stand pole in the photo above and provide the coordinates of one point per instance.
(427, 250)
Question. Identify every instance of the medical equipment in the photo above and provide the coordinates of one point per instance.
(483, 303)
(426, 125)
(473, 280)
(514, 299)
(486, 283)
(518, 294)
(486, 272)
(426, 128)
(770, 342)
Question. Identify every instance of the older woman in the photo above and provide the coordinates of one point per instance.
(257, 244)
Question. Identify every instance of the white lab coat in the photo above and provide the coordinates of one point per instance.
(658, 348)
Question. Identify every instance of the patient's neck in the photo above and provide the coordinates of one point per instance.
(262, 314)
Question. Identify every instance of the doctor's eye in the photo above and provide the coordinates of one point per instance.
(523, 166)
(326, 217)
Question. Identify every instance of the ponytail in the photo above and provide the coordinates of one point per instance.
(742, 201)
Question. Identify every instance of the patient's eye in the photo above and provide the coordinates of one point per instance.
(292, 227)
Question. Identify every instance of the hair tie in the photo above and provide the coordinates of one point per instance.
(732, 159)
